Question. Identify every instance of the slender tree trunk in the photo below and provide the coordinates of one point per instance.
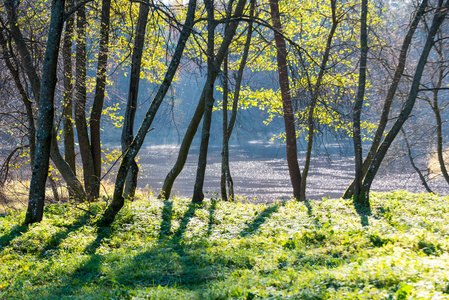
(196, 119)
(68, 175)
(27, 62)
(13, 69)
(436, 111)
(390, 95)
(54, 186)
(207, 117)
(118, 200)
(412, 162)
(80, 105)
(289, 119)
(73, 184)
(314, 99)
(226, 170)
(128, 125)
(357, 110)
(438, 19)
(46, 110)
(67, 112)
(100, 88)
(225, 147)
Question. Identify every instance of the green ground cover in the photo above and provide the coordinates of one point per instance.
(221, 250)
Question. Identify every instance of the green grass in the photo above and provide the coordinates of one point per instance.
(220, 250)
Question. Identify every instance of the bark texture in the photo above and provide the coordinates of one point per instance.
(131, 106)
(207, 116)
(357, 110)
(80, 104)
(67, 113)
(46, 110)
(100, 88)
(289, 119)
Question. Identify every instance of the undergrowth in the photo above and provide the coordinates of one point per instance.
(219, 250)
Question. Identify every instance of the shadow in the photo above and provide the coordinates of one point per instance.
(167, 215)
(184, 222)
(178, 264)
(363, 211)
(16, 231)
(211, 222)
(57, 238)
(257, 222)
(309, 208)
(89, 271)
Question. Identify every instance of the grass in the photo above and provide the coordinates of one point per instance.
(221, 250)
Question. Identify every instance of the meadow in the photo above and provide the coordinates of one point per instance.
(173, 249)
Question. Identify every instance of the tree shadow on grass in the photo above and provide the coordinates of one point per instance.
(257, 222)
(166, 223)
(62, 234)
(309, 208)
(364, 212)
(212, 209)
(88, 271)
(169, 263)
(16, 231)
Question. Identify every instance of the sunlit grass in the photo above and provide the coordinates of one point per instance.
(221, 250)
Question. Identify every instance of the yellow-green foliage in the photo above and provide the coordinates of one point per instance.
(306, 26)
(221, 250)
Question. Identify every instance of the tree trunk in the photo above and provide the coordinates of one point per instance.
(118, 200)
(357, 110)
(390, 95)
(227, 128)
(196, 119)
(207, 117)
(131, 106)
(25, 99)
(289, 119)
(27, 62)
(225, 147)
(46, 109)
(80, 105)
(100, 88)
(314, 99)
(412, 162)
(73, 184)
(436, 111)
(438, 19)
(67, 112)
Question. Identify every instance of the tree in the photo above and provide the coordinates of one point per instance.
(118, 200)
(383, 120)
(90, 180)
(438, 18)
(209, 103)
(100, 90)
(196, 119)
(46, 111)
(226, 178)
(289, 121)
(131, 106)
(67, 112)
(358, 103)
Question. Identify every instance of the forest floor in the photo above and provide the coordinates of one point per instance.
(221, 250)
